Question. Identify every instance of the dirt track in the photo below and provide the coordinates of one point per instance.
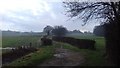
(64, 57)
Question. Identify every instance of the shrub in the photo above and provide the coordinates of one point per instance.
(80, 43)
(46, 41)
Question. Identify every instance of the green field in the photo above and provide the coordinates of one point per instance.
(93, 58)
(16, 41)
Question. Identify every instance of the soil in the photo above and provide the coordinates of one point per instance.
(64, 57)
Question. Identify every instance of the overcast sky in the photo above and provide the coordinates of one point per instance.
(34, 15)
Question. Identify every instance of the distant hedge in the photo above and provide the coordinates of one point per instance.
(80, 43)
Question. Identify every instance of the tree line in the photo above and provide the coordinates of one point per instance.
(61, 31)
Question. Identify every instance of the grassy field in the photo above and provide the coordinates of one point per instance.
(16, 41)
(93, 58)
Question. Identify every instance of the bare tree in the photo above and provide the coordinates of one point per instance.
(88, 10)
(107, 11)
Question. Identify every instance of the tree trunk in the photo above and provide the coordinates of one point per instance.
(112, 42)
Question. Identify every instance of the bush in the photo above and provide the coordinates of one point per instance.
(80, 43)
(16, 53)
(46, 41)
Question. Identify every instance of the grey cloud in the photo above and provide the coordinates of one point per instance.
(29, 21)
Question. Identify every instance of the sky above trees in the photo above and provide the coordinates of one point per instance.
(34, 15)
